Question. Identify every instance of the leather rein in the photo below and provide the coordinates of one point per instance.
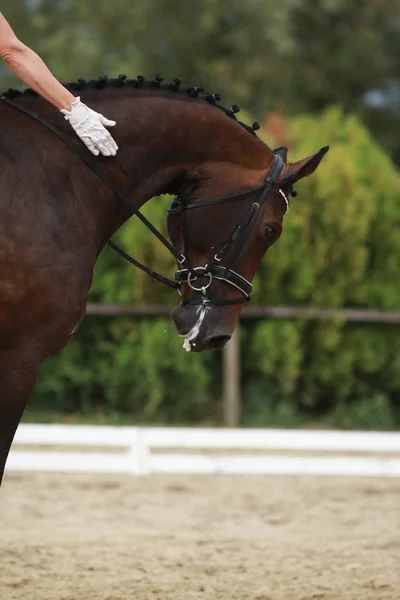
(187, 273)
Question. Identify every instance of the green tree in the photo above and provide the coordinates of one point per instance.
(340, 247)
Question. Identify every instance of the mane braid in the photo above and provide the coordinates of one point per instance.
(140, 82)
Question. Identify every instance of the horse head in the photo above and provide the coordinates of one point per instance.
(222, 236)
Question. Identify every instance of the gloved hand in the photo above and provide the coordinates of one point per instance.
(90, 127)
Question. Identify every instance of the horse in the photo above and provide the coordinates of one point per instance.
(58, 209)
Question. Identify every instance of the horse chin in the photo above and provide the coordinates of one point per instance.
(201, 328)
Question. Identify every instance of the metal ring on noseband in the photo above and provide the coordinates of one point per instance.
(203, 288)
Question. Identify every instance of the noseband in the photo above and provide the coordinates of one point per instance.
(187, 274)
(215, 269)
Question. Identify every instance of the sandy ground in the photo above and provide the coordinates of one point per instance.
(80, 537)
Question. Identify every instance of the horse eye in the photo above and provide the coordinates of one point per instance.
(270, 232)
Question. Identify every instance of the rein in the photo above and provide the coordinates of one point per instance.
(187, 274)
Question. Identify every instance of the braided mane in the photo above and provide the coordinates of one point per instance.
(140, 82)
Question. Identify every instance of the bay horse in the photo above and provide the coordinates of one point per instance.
(58, 208)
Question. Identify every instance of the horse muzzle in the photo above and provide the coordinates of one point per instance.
(202, 327)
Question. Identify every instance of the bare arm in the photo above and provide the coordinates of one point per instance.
(30, 68)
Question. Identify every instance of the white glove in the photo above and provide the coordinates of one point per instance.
(89, 126)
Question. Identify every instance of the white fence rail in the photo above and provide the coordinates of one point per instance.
(129, 450)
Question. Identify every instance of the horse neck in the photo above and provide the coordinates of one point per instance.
(167, 143)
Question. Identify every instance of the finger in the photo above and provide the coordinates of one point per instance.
(89, 144)
(110, 151)
(103, 149)
(109, 143)
(110, 147)
(113, 144)
(106, 122)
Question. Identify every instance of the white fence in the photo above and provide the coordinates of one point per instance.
(145, 450)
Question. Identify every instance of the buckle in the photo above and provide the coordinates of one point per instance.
(182, 260)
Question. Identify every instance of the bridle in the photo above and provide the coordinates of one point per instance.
(215, 269)
(187, 273)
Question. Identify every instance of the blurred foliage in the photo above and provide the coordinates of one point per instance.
(292, 55)
(135, 368)
(340, 247)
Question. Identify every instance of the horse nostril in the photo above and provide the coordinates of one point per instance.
(218, 342)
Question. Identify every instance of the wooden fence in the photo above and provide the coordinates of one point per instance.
(231, 353)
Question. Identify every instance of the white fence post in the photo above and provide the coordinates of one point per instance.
(139, 453)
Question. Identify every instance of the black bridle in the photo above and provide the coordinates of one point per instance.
(215, 269)
(187, 273)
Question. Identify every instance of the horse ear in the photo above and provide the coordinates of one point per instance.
(305, 167)
(282, 152)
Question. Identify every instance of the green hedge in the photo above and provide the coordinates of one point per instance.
(340, 247)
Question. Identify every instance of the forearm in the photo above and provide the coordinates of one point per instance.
(31, 69)
(89, 125)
